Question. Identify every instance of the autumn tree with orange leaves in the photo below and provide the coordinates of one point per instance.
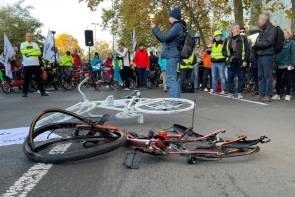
(66, 42)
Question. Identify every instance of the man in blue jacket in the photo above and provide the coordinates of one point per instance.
(171, 42)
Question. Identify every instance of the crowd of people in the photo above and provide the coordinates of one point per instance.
(226, 66)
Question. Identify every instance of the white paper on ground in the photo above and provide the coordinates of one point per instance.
(18, 135)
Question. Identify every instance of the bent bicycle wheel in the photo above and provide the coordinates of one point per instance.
(77, 138)
(164, 105)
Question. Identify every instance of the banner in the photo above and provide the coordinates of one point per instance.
(134, 42)
(18, 135)
(8, 54)
(48, 51)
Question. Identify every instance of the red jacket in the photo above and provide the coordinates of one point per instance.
(77, 60)
(141, 59)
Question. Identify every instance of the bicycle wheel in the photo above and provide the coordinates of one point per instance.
(6, 88)
(78, 138)
(163, 105)
(66, 83)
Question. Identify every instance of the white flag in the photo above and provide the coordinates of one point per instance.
(134, 42)
(48, 51)
(8, 54)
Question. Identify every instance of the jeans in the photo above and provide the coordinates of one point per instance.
(164, 79)
(171, 73)
(196, 76)
(141, 74)
(265, 64)
(234, 71)
(96, 74)
(218, 67)
(29, 71)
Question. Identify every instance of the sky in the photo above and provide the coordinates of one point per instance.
(67, 16)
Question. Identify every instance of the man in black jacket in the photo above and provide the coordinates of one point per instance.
(264, 47)
(236, 49)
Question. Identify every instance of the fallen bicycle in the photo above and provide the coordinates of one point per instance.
(132, 106)
(87, 137)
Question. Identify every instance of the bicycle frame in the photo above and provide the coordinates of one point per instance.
(128, 108)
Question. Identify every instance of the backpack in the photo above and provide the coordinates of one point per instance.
(279, 40)
(187, 86)
(187, 45)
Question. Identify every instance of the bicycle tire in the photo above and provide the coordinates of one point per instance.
(65, 84)
(6, 88)
(33, 152)
(165, 105)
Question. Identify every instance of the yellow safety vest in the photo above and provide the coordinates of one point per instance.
(30, 52)
(67, 61)
(217, 52)
(188, 62)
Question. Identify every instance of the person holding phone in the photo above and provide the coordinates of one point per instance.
(171, 42)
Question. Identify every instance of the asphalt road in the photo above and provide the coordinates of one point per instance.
(268, 173)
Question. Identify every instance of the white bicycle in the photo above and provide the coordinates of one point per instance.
(133, 106)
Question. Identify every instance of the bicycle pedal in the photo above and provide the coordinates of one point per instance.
(191, 160)
(133, 160)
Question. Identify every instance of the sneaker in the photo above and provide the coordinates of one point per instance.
(230, 95)
(287, 98)
(240, 96)
(44, 94)
(266, 99)
(222, 92)
(25, 95)
(126, 89)
(276, 97)
(211, 90)
(206, 90)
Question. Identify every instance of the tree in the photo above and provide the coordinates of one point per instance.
(16, 21)
(255, 9)
(102, 47)
(128, 14)
(66, 42)
(293, 15)
(239, 12)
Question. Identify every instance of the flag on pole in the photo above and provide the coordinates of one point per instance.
(48, 51)
(8, 54)
(134, 42)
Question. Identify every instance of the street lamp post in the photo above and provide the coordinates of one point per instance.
(95, 24)
(55, 60)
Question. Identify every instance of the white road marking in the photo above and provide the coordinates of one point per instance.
(33, 176)
(245, 100)
(18, 135)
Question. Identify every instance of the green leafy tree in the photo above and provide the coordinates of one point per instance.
(16, 21)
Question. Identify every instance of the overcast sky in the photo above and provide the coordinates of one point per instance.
(67, 16)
